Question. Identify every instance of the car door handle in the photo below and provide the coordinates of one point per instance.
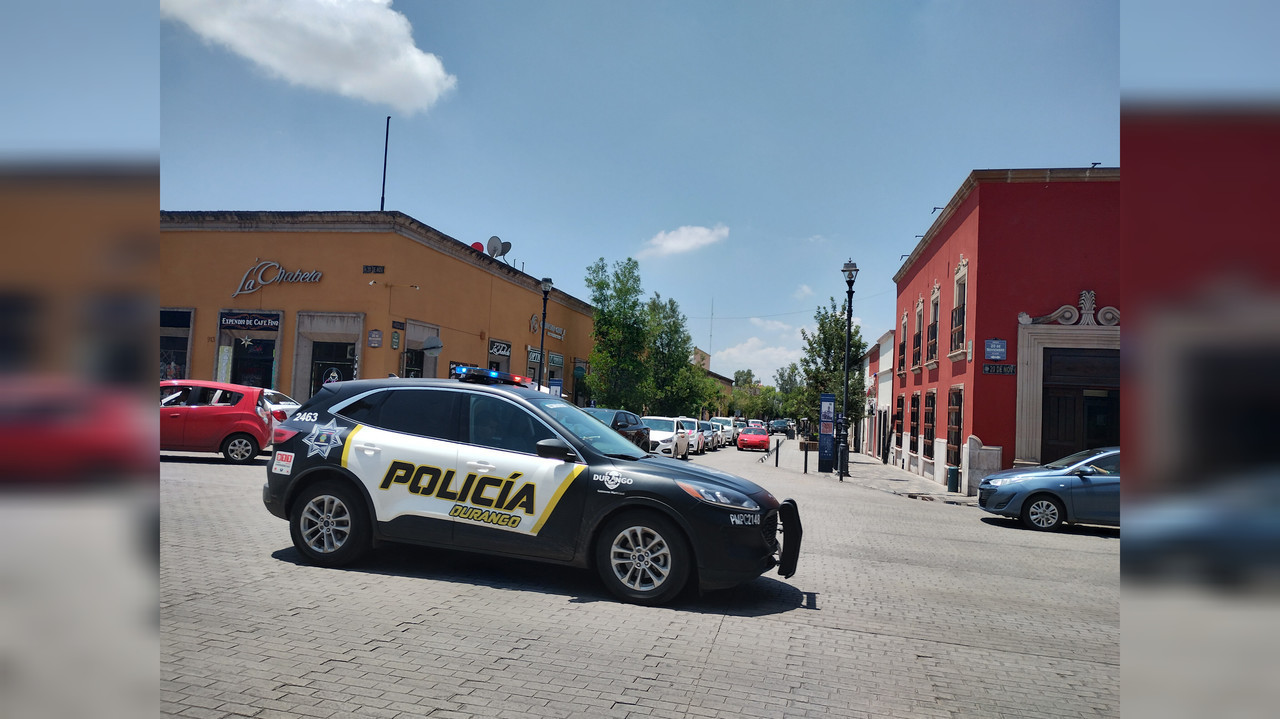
(368, 448)
(176, 414)
(481, 467)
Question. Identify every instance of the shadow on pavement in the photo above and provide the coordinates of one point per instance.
(760, 597)
(1079, 530)
(259, 461)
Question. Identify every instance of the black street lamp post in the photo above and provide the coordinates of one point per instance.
(850, 271)
(542, 341)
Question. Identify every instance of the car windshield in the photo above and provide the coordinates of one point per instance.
(604, 415)
(1076, 458)
(753, 430)
(589, 429)
(659, 424)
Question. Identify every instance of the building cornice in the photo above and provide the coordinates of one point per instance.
(355, 221)
(1078, 174)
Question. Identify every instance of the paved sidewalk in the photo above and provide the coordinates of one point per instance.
(870, 472)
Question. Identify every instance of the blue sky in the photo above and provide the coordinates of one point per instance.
(742, 152)
(771, 141)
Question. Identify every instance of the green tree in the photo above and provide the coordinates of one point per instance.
(676, 386)
(790, 391)
(822, 365)
(618, 373)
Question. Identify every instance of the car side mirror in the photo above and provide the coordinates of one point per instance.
(1085, 471)
(556, 449)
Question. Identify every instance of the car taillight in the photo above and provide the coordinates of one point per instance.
(280, 434)
(279, 415)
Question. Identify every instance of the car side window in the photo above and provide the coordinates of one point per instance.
(365, 410)
(423, 412)
(1107, 465)
(199, 397)
(502, 425)
(174, 396)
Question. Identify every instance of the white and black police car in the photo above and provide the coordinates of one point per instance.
(482, 462)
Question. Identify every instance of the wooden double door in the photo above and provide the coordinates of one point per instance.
(1081, 407)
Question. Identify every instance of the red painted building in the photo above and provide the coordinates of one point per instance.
(1007, 325)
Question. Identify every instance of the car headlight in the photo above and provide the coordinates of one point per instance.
(1001, 481)
(719, 496)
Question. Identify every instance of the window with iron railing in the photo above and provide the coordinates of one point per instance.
(897, 420)
(957, 329)
(915, 417)
(931, 348)
(930, 403)
(955, 420)
(902, 356)
(915, 350)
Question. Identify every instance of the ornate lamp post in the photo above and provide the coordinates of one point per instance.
(542, 341)
(850, 271)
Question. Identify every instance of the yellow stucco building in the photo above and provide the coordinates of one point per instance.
(291, 300)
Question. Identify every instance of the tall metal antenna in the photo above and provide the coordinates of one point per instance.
(382, 205)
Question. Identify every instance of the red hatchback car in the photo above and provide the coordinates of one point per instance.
(203, 416)
(753, 438)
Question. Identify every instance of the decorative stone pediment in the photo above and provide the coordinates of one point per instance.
(1068, 315)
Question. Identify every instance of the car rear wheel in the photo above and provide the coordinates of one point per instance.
(1043, 513)
(643, 558)
(329, 524)
(239, 448)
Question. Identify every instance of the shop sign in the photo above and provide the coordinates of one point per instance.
(395, 340)
(397, 325)
(535, 327)
(535, 356)
(555, 360)
(261, 321)
(499, 349)
(266, 272)
(375, 338)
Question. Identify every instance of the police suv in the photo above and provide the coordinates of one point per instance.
(482, 462)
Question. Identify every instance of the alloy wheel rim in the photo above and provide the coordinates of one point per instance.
(1044, 513)
(239, 448)
(640, 558)
(325, 524)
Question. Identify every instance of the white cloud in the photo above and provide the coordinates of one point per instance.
(361, 49)
(771, 325)
(754, 354)
(802, 292)
(685, 239)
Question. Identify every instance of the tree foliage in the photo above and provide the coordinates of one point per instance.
(618, 373)
(676, 385)
(822, 365)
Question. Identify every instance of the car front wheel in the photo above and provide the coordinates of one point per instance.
(643, 558)
(239, 448)
(1043, 513)
(329, 524)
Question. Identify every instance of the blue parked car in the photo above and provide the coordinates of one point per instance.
(1082, 488)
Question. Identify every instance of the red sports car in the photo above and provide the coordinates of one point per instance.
(753, 438)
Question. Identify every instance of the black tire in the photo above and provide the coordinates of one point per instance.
(1043, 513)
(643, 558)
(240, 448)
(329, 524)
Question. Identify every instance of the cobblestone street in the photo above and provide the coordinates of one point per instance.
(900, 608)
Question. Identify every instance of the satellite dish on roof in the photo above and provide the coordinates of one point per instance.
(498, 248)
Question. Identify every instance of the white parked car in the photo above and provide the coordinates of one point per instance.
(278, 402)
(697, 440)
(730, 428)
(667, 437)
